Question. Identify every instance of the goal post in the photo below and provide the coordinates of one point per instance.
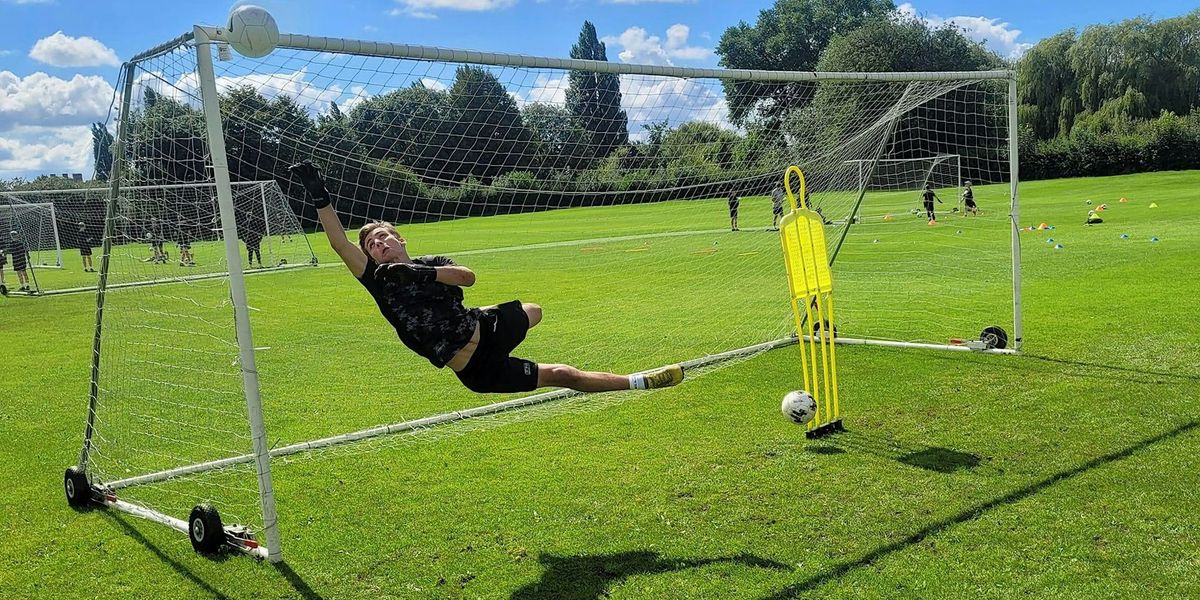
(490, 158)
(237, 291)
(175, 216)
(901, 174)
(36, 224)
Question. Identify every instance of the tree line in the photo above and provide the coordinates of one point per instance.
(1114, 98)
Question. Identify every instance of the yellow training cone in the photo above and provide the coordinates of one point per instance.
(1153, 205)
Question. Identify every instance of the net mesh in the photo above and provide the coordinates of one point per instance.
(606, 199)
(174, 227)
(29, 236)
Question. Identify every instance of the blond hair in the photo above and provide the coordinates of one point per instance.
(365, 232)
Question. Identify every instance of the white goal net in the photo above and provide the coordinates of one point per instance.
(600, 191)
(161, 233)
(35, 225)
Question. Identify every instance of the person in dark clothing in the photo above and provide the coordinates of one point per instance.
(19, 254)
(422, 299)
(968, 198)
(87, 241)
(928, 196)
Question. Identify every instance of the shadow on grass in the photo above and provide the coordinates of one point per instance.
(589, 577)
(183, 571)
(1021, 363)
(969, 514)
(942, 460)
(930, 458)
(1079, 363)
(302, 588)
(297, 582)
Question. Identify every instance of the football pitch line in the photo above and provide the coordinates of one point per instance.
(583, 242)
(538, 246)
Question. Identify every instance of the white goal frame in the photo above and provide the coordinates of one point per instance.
(14, 201)
(865, 167)
(207, 39)
(29, 197)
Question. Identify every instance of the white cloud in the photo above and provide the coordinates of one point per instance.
(638, 47)
(357, 95)
(62, 50)
(423, 9)
(46, 150)
(545, 90)
(648, 99)
(42, 100)
(45, 122)
(997, 35)
(297, 85)
(434, 84)
(6, 52)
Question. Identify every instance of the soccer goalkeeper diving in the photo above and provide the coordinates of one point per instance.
(422, 298)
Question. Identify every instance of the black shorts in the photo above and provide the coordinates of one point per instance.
(19, 263)
(491, 369)
(185, 246)
(969, 202)
(85, 251)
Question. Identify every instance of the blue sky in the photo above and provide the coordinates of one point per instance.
(52, 84)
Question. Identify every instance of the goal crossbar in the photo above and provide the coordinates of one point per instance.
(293, 41)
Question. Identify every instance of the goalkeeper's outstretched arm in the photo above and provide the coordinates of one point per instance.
(314, 185)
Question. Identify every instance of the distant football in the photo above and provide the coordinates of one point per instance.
(252, 31)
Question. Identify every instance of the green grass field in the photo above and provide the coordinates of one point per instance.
(1066, 472)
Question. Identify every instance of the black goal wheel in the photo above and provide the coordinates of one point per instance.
(205, 529)
(824, 325)
(77, 487)
(994, 337)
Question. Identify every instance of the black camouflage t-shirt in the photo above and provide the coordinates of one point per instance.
(429, 317)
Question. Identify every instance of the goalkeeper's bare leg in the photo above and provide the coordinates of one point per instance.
(559, 375)
(567, 376)
(597, 381)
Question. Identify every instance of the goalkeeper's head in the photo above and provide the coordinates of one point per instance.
(382, 242)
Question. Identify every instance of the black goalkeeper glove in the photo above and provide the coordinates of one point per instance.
(314, 184)
(406, 273)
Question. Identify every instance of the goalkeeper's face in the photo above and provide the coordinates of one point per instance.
(384, 246)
